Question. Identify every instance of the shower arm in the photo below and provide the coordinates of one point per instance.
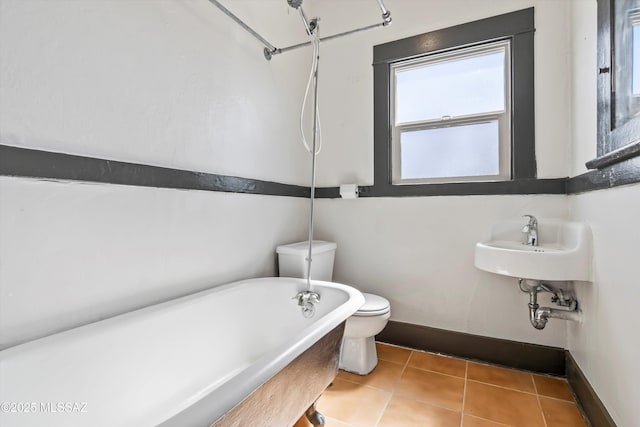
(270, 50)
(247, 28)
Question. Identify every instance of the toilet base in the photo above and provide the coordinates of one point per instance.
(358, 355)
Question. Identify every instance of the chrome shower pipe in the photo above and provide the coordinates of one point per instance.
(313, 160)
(386, 15)
(324, 39)
(270, 50)
(267, 46)
(382, 8)
(386, 20)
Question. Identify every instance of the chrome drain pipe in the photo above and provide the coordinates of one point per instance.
(558, 313)
(539, 316)
(538, 321)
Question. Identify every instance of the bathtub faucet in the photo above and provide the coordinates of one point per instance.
(306, 298)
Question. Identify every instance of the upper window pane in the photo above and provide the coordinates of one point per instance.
(442, 86)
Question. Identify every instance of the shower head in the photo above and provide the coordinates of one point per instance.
(294, 3)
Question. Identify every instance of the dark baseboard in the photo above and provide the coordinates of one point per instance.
(587, 398)
(513, 354)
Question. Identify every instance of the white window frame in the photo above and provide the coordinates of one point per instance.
(503, 117)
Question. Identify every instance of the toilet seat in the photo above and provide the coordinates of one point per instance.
(374, 305)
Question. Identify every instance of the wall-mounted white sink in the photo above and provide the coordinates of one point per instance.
(563, 251)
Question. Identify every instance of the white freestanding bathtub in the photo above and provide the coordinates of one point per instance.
(185, 362)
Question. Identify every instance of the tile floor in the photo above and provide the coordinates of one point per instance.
(413, 388)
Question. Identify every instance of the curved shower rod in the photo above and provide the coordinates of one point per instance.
(270, 50)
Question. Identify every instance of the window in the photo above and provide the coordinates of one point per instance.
(454, 111)
(618, 83)
(451, 116)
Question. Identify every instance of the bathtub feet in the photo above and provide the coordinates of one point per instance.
(314, 417)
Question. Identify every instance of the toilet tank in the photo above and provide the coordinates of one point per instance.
(292, 259)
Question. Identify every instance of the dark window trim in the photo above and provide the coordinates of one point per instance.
(29, 163)
(614, 144)
(518, 27)
(622, 173)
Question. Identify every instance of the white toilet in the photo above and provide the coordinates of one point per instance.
(358, 354)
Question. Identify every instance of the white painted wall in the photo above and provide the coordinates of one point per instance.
(418, 252)
(606, 345)
(162, 82)
(584, 85)
(75, 252)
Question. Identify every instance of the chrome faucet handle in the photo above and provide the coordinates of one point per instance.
(307, 297)
(530, 231)
(314, 298)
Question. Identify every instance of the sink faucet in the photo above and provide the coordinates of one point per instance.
(530, 231)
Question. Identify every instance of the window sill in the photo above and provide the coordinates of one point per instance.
(616, 156)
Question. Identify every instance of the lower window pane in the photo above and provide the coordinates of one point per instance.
(457, 151)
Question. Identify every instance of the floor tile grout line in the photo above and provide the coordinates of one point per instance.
(557, 398)
(505, 388)
(535, 387)
(393, 390)
(390, 361)
(464, 393)
(487, 419)
(436, 372)
(365, 385)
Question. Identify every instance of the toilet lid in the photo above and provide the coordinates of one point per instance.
(373, 304)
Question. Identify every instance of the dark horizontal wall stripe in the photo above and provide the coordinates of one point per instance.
(520, 186)
(623, 173)
(586, 396)
(328, 192)
(513, 354)
(23, 162)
